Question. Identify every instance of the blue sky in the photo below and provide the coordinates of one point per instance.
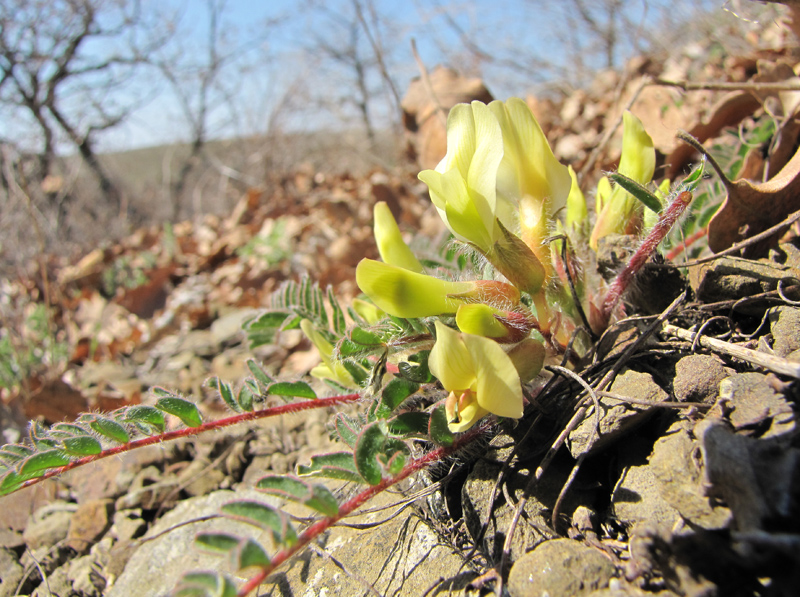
(282, 78)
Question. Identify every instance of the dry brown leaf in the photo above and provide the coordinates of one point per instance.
(752, 208)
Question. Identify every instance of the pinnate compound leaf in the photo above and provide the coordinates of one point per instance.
(216, 542)
(334, 465)
(438, 430)
(299, 389)
(10, 454)
(145, 415)
(183, 409)
(264, 517)
(338, 322)
(262, 330)
(250, 553)
(316, 497)
(370, 445)
(110, 429)
(205, 584)
(82, 446)
(41, 461)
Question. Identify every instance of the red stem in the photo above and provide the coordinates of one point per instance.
(356, 502)
(170, 435)
(668, 218)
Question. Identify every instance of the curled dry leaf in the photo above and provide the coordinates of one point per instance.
(752, 208)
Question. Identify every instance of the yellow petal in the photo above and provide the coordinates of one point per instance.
(450, 361)
(368, 312)
(498, 387)
(577, 214)
(404, 293)
(480, 320)
(463, 411)
(391, 245)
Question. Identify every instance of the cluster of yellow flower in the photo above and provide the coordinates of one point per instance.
(500, 190)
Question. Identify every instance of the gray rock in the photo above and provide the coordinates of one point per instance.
(11, 572)
(156, 565)
(85, 576)
(755, 402)
(49, 525)
(56, 585)
(681, 481)
(560, 567)
(617, 417)
(785, 327)
(637, 498)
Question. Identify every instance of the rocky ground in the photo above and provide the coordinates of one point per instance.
(693, 489)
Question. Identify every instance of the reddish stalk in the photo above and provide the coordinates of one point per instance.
(356, 502)
(668, 218)
(178, 433)
(688, 242)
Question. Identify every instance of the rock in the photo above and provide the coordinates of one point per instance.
(560, 567)
(88, 524)
(731, 278)
(58, 584)
(637, 498)
(785, 327)
(756, 404)
(85, 576)
(680, 480)
(617, 418)
(476, 504)
(10, 573)
(156, 565)
(149, 491)
(697, 378)
(127, 525)
(401, 556)
(49, 525)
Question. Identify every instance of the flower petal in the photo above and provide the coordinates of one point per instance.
(403, 293)
(391, 245)
(450, 361)
(498, 387)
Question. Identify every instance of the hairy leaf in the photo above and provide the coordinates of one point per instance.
(418, 373)
(217, 542)
(264, 517)
(261, 376)
(639, 191)
(82, 446)
(370, 444)
(145, 415)
(262, 330)
(438, 430)
(183, 409)
(41, 461)
(110, 429)
(299, 389)
(410, 423)
(338, 322)
(317, 497)
(246, 397)
(250, 553)
(13, 453)
(347, 429)
(205, 584)
(226, 392)
(334, 465)
(397, 390)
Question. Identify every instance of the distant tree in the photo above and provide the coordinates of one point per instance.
(204, 70)
(60, 63)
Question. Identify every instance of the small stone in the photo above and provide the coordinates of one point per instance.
(559, 567)
(697, 378)
(756, 403)
(49, 525)
(88, 524)
(85, 576)
(785, 326)
(10, 573)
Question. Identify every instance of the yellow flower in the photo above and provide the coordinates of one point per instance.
(328, 369)
(529, 176)
(479, 375)
(577, 215)
(391, 245)
(403, 293)
(463, 185)
(621, 212)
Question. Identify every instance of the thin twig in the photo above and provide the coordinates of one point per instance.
(426, 82)
(726, 85)
(773, 363)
